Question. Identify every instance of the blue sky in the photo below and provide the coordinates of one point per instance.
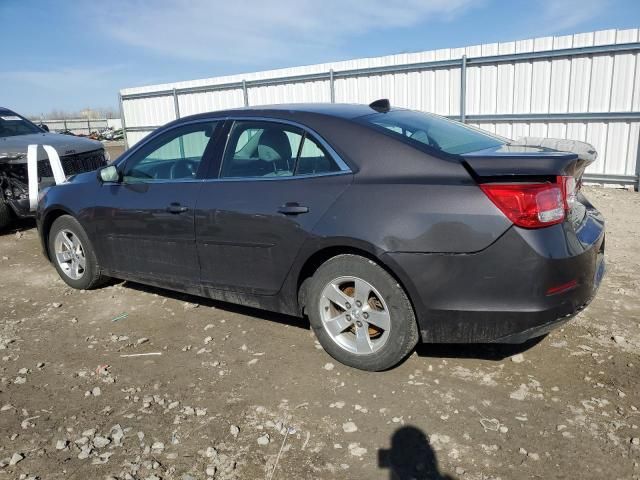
(73, 54)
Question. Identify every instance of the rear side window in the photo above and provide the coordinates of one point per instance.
(313, 159)
(269, 149)
(436, 132)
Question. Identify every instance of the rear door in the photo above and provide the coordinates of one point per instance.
(146, 221)
(275, 182)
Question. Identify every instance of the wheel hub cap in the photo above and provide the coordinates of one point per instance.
(69, 254)
(355, 315)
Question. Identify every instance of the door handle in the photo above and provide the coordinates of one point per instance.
(176, 208)
(293, 208)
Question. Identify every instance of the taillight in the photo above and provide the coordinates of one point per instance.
(533, 205)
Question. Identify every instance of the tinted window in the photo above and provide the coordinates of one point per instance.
(173, 155)
(271, 149)
(313, 159)
(261, 149)
(12, 125)
(437, 132)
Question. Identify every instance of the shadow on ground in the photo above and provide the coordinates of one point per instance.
(482, 351)
(410, 457)
(19, 225)
(229, 307)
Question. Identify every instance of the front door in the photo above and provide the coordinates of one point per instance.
(275, 183)
(146, 221)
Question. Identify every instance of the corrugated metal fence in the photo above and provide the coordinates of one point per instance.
(583, 87)
(81, 126)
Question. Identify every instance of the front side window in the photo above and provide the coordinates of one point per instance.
(259, 149)
(436, 132)
(175, 155)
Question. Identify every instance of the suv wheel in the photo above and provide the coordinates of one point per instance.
(360, 314)
(73, 255)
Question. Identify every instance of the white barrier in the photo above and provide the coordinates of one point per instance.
(32, 171)
(582, 87)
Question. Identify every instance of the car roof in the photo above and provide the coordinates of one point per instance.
(5, 110)
(340, 110)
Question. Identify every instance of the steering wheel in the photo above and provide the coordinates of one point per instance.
(183, 168)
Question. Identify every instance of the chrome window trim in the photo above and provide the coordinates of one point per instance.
(159, 180)
(232, 179)
(271, 179)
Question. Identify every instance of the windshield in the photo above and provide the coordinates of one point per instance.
(437, 132)
(12, 125)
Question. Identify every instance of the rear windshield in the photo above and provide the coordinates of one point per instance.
(12, 125)
(436, 132)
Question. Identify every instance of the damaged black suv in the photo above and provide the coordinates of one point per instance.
(77, 155)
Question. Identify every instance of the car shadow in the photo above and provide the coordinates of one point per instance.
(228, 307)
(410, 457)
(19, 225)
(479, 351)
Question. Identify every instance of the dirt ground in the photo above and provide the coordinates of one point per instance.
(232, 393)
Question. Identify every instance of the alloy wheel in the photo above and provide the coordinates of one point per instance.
(70, 254)
(355, 315)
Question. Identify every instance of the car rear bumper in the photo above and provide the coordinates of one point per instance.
(511, 291)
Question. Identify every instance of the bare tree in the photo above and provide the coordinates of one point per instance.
(86, 113)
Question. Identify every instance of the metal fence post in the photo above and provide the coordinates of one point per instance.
(124, 124)
(332, 87)
(176, 105)
(636, 187)
(463, 89)
(245, 93)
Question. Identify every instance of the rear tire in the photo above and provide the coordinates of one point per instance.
(6, 215)
(360, 314)
(73, 256)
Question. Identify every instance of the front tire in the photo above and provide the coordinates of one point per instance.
(72, 254)
(360, 314)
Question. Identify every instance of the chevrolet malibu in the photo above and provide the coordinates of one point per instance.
(384, 226)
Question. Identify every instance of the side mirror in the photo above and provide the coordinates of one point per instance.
(44, 127)
(109, 174)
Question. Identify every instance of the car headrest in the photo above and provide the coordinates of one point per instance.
(274, 145)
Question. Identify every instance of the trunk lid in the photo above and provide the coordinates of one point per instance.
(531, 157)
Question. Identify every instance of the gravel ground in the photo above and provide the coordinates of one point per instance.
(132, 382)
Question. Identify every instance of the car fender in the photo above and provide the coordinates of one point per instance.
(53, 204)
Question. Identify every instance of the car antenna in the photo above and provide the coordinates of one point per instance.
(383, 105)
